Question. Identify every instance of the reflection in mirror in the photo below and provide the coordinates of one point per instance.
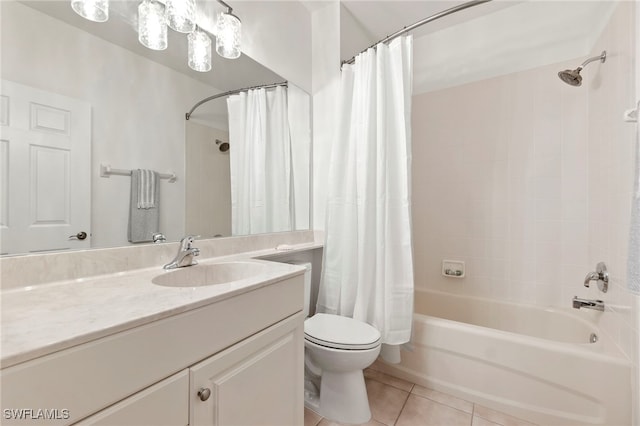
(265, 162)
(77, 95)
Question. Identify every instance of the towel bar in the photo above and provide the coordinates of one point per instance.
(106, 171)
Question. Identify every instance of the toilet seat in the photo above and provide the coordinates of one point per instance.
(338, 332)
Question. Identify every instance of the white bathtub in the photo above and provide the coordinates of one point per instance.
(533, 363)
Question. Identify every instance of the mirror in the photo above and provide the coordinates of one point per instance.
(92, 102)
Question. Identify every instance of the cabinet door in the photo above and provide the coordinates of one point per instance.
(164, 404)
(258, 381)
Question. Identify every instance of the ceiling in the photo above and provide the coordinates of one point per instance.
(484, 41)
(379, 19)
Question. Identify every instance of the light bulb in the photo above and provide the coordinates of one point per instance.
(181, 15)
(152, 27)
(199, 51)
(93, 10)
(229, 32)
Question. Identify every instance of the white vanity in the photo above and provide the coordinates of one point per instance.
(119, 349)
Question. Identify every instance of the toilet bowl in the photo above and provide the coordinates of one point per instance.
(337, 349)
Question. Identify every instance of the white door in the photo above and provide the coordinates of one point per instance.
(45, 171)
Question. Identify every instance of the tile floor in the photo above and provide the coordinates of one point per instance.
(396, 402)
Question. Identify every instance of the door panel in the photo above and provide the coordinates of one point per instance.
(45, 180)
(258, 381)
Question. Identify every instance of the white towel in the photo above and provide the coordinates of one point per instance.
(143, 222)
(148, 179)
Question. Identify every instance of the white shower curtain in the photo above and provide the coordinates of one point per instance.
(368, 264)
(260, 162)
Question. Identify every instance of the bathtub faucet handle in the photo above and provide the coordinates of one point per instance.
(601, 275)
(591, 276)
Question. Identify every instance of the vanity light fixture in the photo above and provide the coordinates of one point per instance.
(229, 33)
(155, 16)
(93, 10)
(181, 15)
(152, 26)
(199, 51)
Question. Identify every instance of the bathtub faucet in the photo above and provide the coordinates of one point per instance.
(578, 303)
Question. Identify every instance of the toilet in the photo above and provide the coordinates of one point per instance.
(337, 349)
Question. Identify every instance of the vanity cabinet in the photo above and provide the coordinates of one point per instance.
(256, 382)
(247, 350)
(164, 404)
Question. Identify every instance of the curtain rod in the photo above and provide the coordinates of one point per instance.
(233, 92)
(421, 23)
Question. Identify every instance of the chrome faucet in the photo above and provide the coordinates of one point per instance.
(185, 255)
(158, 238)
(600, 275)
(578, 303)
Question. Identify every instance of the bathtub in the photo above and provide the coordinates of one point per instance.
(533, 363)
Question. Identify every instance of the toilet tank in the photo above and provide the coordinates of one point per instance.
(307, 285)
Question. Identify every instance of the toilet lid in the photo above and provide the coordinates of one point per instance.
(339, 332)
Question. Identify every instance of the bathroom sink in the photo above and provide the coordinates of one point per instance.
(213, 274)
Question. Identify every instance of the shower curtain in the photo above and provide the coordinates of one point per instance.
(367, 271)
(260, 162)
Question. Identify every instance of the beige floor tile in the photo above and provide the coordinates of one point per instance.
(385, 401)
(377, 365)
(443, 398)
(388, 380)
(425, 412)
(479, 421)
(311, 418)
(498, 417)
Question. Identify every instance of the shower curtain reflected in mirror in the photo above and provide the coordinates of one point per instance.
(368, 265)
(260, 162)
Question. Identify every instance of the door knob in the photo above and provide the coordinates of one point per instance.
(79, 236)
(204, 394)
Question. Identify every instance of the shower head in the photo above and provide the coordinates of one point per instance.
(573, 77)
(222, 146)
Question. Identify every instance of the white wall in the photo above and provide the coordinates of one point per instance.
(500, 182)
(277, 34)
(326, 84)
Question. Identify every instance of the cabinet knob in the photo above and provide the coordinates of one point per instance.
(204, 394)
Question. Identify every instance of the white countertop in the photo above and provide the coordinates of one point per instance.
(39, 320)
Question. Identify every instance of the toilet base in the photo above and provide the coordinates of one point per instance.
(343, 398)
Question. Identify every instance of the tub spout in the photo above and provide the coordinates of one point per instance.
(578, 303)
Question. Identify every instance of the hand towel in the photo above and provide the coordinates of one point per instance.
(147, 183)
(144, 221)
